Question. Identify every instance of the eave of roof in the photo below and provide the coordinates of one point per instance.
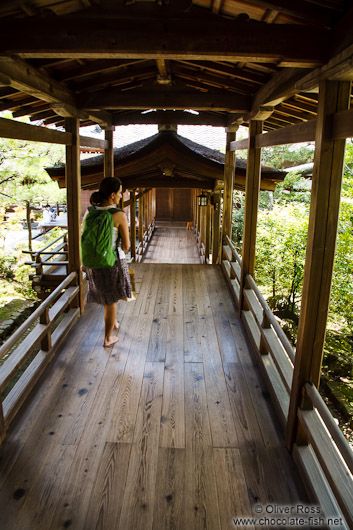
(140, 164)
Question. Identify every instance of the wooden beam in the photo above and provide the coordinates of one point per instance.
(281, 86)
(165, 38)
(343, 124)
(32, 133)
(169, 100)
(229, 167)
(216, 6)
(300, 9)
(208, 231)
(25, 78)
(73, 187)
(109, 153)
(228, 70)
(339, 67)
(87, 141)
(140, 217)
(35, 133)
(322, 233)
(167, 117)
(207, 79)
(252, 190)
(303, 132)
(133, 223)
(342, 127)
(216, 226)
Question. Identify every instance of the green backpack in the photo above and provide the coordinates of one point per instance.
(96, 241)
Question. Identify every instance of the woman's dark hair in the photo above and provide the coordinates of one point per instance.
(108, 186)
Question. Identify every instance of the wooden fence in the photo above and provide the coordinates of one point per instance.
(142, 245)
(326, 463)
(50, 264)
(42, 337)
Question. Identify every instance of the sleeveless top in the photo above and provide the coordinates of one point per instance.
(122, 254)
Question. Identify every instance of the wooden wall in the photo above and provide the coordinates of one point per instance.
(174, 204)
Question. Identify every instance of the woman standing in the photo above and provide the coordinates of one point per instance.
(106, 286)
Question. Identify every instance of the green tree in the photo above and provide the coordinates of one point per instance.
(280, 254)
(341, 302)
(23, 179)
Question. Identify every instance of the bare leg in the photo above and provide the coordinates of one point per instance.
(110, 324)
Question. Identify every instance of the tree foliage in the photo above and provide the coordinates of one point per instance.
(22, 174)
(282, 236)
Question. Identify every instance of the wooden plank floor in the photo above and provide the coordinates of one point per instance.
(172, 243)
(171, 428)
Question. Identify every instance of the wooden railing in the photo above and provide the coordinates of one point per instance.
(142, 245)
(50, 264)
(42, 336)
(326, 463)
(201, 248)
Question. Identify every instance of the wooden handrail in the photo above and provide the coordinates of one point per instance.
(331, 425)
(233, 249)
(39, 252)
(271, 318)
(36, 314)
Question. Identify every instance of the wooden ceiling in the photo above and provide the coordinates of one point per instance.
(215, 62)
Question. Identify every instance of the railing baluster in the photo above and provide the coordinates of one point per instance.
(46, 341)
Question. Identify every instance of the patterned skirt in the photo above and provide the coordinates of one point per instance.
(107, 286)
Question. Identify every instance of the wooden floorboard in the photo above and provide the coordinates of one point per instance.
(172, 243)
(171, 428)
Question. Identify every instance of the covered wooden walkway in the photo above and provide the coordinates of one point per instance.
(172, 243)
(169, 429)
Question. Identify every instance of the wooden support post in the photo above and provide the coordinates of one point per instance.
(197, 222)
(141, 201)
(229, 168)
(322, 233)
(109, 154)
(145, 211)
(73, 190)
(203, 232)
(252, 190)
(203, 224)
(133, 224)
(208, 232)
(153, 202)
(46, 341)
(193, 207)
(216, 227)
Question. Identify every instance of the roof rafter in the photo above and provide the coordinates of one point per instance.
(22, 76)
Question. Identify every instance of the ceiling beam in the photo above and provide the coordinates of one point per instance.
(303, 132)
(165, 38)
(25, 131)
(299, 9)
(224, 83)
(227, 70)
(281, 86)
(25, 78)
(168, 100)
(22, 76)
(170, 117)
